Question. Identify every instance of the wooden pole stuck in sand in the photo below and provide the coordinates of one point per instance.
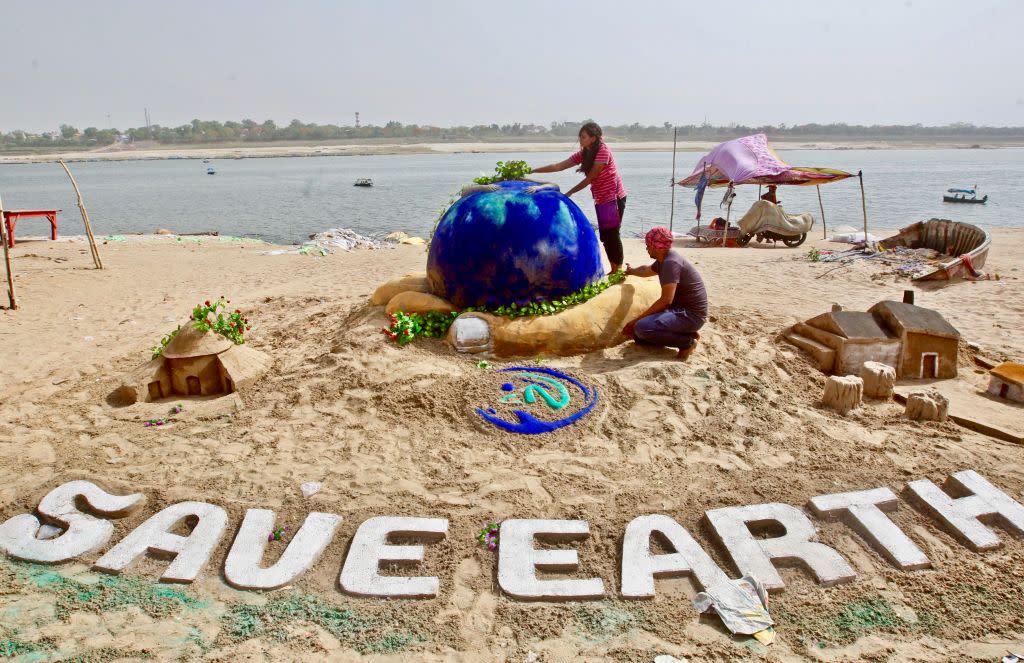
(824, 230)
(863, 204)
(672, 212)
(7, 259)
(85, 218)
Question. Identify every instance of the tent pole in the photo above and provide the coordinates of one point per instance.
(728, 214)
(85, 218)
(824, 230)
(7, 259)
(672, 213)
(863, 204)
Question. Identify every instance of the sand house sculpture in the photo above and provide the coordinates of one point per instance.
(918, 342)
(504, 248)
(1007, 381)
(196, 363)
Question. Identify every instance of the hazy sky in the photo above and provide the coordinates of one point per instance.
(99, 63)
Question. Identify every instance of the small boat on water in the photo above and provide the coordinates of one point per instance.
(364, 181)
(964, 196)
(210, 170)
(962, 248)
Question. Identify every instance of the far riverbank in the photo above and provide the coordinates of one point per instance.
(312, 149)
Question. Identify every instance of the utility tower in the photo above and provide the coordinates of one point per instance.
(357, 119)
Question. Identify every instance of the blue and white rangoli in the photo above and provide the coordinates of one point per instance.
(544, 390)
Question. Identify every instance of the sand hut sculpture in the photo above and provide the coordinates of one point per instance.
(196, 363)
(918, 342)
(1007, 381)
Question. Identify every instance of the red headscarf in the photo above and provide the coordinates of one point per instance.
(659, 237)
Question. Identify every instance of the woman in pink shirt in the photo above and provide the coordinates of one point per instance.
(595, 160)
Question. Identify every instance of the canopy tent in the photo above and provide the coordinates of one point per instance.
(972, 192)
(750, 160)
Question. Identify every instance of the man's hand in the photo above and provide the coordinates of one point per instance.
(628, 329)
(628, 271)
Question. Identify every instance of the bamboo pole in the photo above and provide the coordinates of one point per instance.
(85, 218)
(672, 213)
(824, 230)
(7, 259)
(863, 204)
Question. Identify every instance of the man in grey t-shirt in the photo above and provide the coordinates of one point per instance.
(681, 310)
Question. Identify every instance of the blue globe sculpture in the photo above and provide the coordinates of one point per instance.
(495, 248)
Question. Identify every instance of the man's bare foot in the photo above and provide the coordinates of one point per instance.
(684, 353)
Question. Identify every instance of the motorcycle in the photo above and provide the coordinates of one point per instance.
(767, 221)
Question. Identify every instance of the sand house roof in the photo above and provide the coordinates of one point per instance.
(190, 342)
(915, 319)
(850, 324)
(1009, 371)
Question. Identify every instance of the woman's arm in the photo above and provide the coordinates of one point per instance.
(554, 167)
(591, 176)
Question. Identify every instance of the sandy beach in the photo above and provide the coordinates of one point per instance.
(254, 151)
(390, 431)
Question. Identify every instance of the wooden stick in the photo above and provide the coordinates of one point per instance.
(864, 205)
(7, 259)
(823, 229)
(672, 213)
(85, 218)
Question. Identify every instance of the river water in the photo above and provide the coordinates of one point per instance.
(286, 199)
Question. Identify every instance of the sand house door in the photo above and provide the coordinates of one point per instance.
(194, 388)
(930, 365)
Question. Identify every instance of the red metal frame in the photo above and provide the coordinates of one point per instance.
(11, 218)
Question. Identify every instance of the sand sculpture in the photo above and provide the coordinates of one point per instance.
(195, 363)
(501, 246)
(879, 379)
(843, 393)
(927, 406)
(918, 342)
(1007, 381)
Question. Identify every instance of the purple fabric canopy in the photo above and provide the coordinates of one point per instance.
(750, 160)
(743, 159)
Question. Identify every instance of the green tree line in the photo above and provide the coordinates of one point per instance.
(199, 132)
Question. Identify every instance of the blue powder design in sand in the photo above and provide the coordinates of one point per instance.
(537, 385)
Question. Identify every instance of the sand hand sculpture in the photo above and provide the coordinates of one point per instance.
(522, 264)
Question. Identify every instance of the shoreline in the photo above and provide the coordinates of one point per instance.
(236, 151)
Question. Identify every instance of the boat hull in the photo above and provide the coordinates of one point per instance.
(954, 199)
(953, 239)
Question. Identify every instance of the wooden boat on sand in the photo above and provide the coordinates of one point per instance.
(962, 248)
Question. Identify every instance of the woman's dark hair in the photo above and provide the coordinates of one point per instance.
(594, 131)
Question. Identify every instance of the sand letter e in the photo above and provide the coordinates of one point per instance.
(518, 561)
(361, 573)
(82, 534)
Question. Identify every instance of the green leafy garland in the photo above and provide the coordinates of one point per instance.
(206, 317)
(505, 170)
(407, 326)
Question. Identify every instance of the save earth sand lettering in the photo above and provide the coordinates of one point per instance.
(82, 512)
